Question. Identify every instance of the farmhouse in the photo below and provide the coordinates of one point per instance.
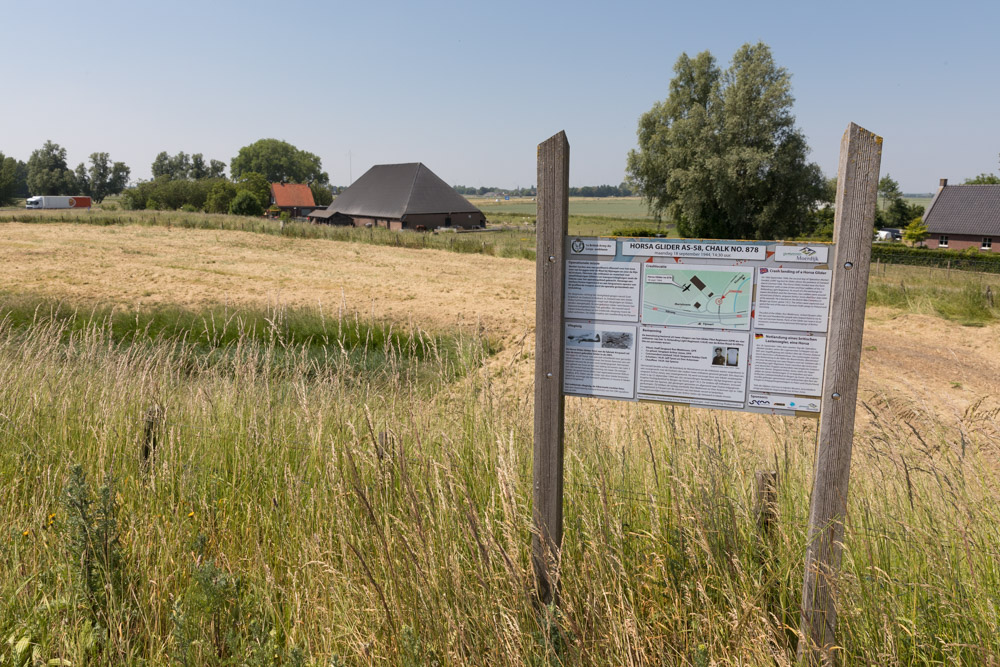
(964, 216)
(401, 196)
(294, 198)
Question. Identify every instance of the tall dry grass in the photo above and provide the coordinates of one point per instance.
(298, 511)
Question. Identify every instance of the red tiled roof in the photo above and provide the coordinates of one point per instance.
(291, 194)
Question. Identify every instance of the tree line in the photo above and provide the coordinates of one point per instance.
(47, 173)
(179, 181)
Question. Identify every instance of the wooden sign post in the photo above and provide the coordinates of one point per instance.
(551, 229)
(831, 390)
(857, 189)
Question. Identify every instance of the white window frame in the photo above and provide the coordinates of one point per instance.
(943, 241)
(987, 243)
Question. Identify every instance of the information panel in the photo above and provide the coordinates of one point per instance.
(738, 325)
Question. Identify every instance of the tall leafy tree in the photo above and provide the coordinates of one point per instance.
(322, 194)
(199, 169)
(216, 169)
(721, 156)
(278, 161)
(104, 177)
(888, 190)
(186, 167)
(8, 179)
(48, 173)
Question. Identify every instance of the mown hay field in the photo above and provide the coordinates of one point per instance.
(225, 447)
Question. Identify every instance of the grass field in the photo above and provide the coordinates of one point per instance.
(609, 207)
(340, 456)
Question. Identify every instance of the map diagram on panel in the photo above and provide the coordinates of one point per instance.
(712, 297)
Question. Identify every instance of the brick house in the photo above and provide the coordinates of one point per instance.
(964, 216)
(295, 198)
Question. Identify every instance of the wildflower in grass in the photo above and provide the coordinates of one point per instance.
(191, 514)
(26, 533)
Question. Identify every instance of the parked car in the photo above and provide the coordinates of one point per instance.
(889, 234)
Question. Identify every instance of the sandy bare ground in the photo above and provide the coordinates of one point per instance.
(910, 363)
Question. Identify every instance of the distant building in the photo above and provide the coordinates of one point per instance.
(294, 198)
(964, 216)
(401, 196)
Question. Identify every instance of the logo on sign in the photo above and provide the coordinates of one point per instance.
(808, 252)
(578, 246)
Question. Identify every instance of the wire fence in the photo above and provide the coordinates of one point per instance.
(936, 260)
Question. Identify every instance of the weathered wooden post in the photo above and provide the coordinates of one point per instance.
(767, 502)
(553, 220)
(857, 189)
(154, 415)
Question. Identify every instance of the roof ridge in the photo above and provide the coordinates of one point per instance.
(409, 195)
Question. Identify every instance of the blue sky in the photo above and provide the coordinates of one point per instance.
(471, 88)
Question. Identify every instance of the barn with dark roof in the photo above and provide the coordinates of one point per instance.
(964, 216)
(401, 196)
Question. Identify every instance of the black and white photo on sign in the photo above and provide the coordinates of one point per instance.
(692, 366)
(599, 360)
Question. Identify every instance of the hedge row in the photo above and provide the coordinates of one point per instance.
(966, 260)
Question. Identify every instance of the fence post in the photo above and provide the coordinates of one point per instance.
(154, 415)
(547, 469)
(767, 502)
(857, 190)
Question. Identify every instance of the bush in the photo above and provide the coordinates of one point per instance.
(220, 197)
(636, 231)
(189, 208)
(245, 203)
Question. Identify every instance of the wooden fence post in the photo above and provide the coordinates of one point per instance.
(553, 219)
(857, 189)
(767, 502)
(154, 415)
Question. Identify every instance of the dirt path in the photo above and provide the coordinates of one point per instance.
(912, 362)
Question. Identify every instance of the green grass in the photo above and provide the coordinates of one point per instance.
(972, 299)
(296, 512)
(609, 207)
(307, 339)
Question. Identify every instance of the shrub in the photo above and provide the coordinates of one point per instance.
(220, 197)
(245, 203)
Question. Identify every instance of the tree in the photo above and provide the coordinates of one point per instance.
(279, 162)
(220, 197)
(983, 179)
(13, 179)
(721, 156)
(104, 177)
(257, 185)
(916, 232)
(48, 173)
(199, 169)
(888, 190)
(216, 169)
(8, 179)
(322, 195)
(245, 203)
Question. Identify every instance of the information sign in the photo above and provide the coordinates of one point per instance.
(722, 324)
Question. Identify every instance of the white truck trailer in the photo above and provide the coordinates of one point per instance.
(58, 202)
